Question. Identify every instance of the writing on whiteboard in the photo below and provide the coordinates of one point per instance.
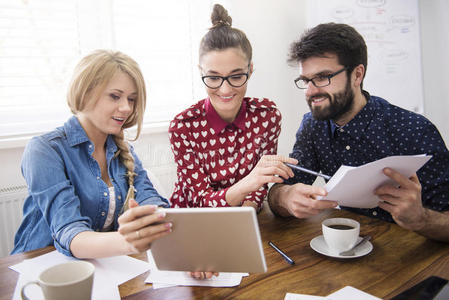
(391, 33)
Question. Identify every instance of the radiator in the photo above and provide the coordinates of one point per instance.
(11, 202)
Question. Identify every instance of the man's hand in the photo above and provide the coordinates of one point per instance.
(299, 200)
(404, 202)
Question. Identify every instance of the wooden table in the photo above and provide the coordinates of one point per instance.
(399, 260)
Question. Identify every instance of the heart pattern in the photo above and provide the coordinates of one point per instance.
(209, 162)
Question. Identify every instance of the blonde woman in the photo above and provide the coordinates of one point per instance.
(82, 176)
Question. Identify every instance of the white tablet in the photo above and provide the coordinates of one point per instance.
(225, 239)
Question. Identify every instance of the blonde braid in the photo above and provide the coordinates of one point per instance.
(128, 160)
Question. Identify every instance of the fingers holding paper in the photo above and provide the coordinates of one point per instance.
(403, 202)
(141, 225)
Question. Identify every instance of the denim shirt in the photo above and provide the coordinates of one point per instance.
(66, 193)
(379, 130)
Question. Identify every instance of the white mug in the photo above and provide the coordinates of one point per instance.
(69, 281)
(340, 234)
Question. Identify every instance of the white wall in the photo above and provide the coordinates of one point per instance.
(271, 26)
(435, 61)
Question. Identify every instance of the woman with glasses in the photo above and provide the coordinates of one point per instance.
(225, 145)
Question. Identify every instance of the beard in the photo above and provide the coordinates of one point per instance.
(339, 104)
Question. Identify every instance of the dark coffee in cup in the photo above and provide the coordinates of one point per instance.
(341, 227)
(340, 234)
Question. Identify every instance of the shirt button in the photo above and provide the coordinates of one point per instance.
(90, 146)
(341, 130)
(119, 197)
(105, 193)
(374, 213)
(103, 213)
(98, 177)
(348, 147)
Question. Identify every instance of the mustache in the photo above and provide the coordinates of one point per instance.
(310, 99)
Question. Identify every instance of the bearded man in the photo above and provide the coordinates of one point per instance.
(348, 126)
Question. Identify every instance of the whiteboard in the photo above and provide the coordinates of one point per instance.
(391, 32)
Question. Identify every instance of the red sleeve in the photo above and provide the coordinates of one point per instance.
(268, 146)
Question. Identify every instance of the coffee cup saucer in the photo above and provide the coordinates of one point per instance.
(319, 245)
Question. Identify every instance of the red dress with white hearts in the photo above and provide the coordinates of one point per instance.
(211, 154)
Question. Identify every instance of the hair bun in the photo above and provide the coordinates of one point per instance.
(220, 17)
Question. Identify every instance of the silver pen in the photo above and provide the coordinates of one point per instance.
(327, 177)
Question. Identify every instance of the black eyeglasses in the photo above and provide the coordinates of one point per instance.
(234, 80)
(318, 81)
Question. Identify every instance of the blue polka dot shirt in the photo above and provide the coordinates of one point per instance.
(379, 130)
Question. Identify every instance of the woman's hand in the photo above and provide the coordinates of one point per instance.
(203, 275)
(269, 169)
(140, 226)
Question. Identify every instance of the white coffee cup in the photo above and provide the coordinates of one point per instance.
(340, 234)
(69, 281)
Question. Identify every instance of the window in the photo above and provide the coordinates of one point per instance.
(41, 41)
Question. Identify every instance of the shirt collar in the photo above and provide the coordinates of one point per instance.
(75, 132)
(76, 135)
(218, 124)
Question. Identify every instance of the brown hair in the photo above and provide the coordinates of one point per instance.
(340, 39)
(91, 75)
(222, 35)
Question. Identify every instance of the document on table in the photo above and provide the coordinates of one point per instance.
(291, 296)
(346, 293)
(351, 293)
(354, 186)
(161, 279)
(109, 273)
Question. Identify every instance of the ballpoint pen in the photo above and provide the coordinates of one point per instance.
(327, 177)
(288, 259)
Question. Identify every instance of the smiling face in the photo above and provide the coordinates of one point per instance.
(226, 99)
(114, 105)
(332, 102)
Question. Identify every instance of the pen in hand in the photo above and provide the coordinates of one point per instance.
(287, 259)
(327, 177)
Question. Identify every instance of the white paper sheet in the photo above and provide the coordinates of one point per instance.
(109, 273)
(346, 293)
(161, 279)
(354, 186)
(351, 293)
(291, 296)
